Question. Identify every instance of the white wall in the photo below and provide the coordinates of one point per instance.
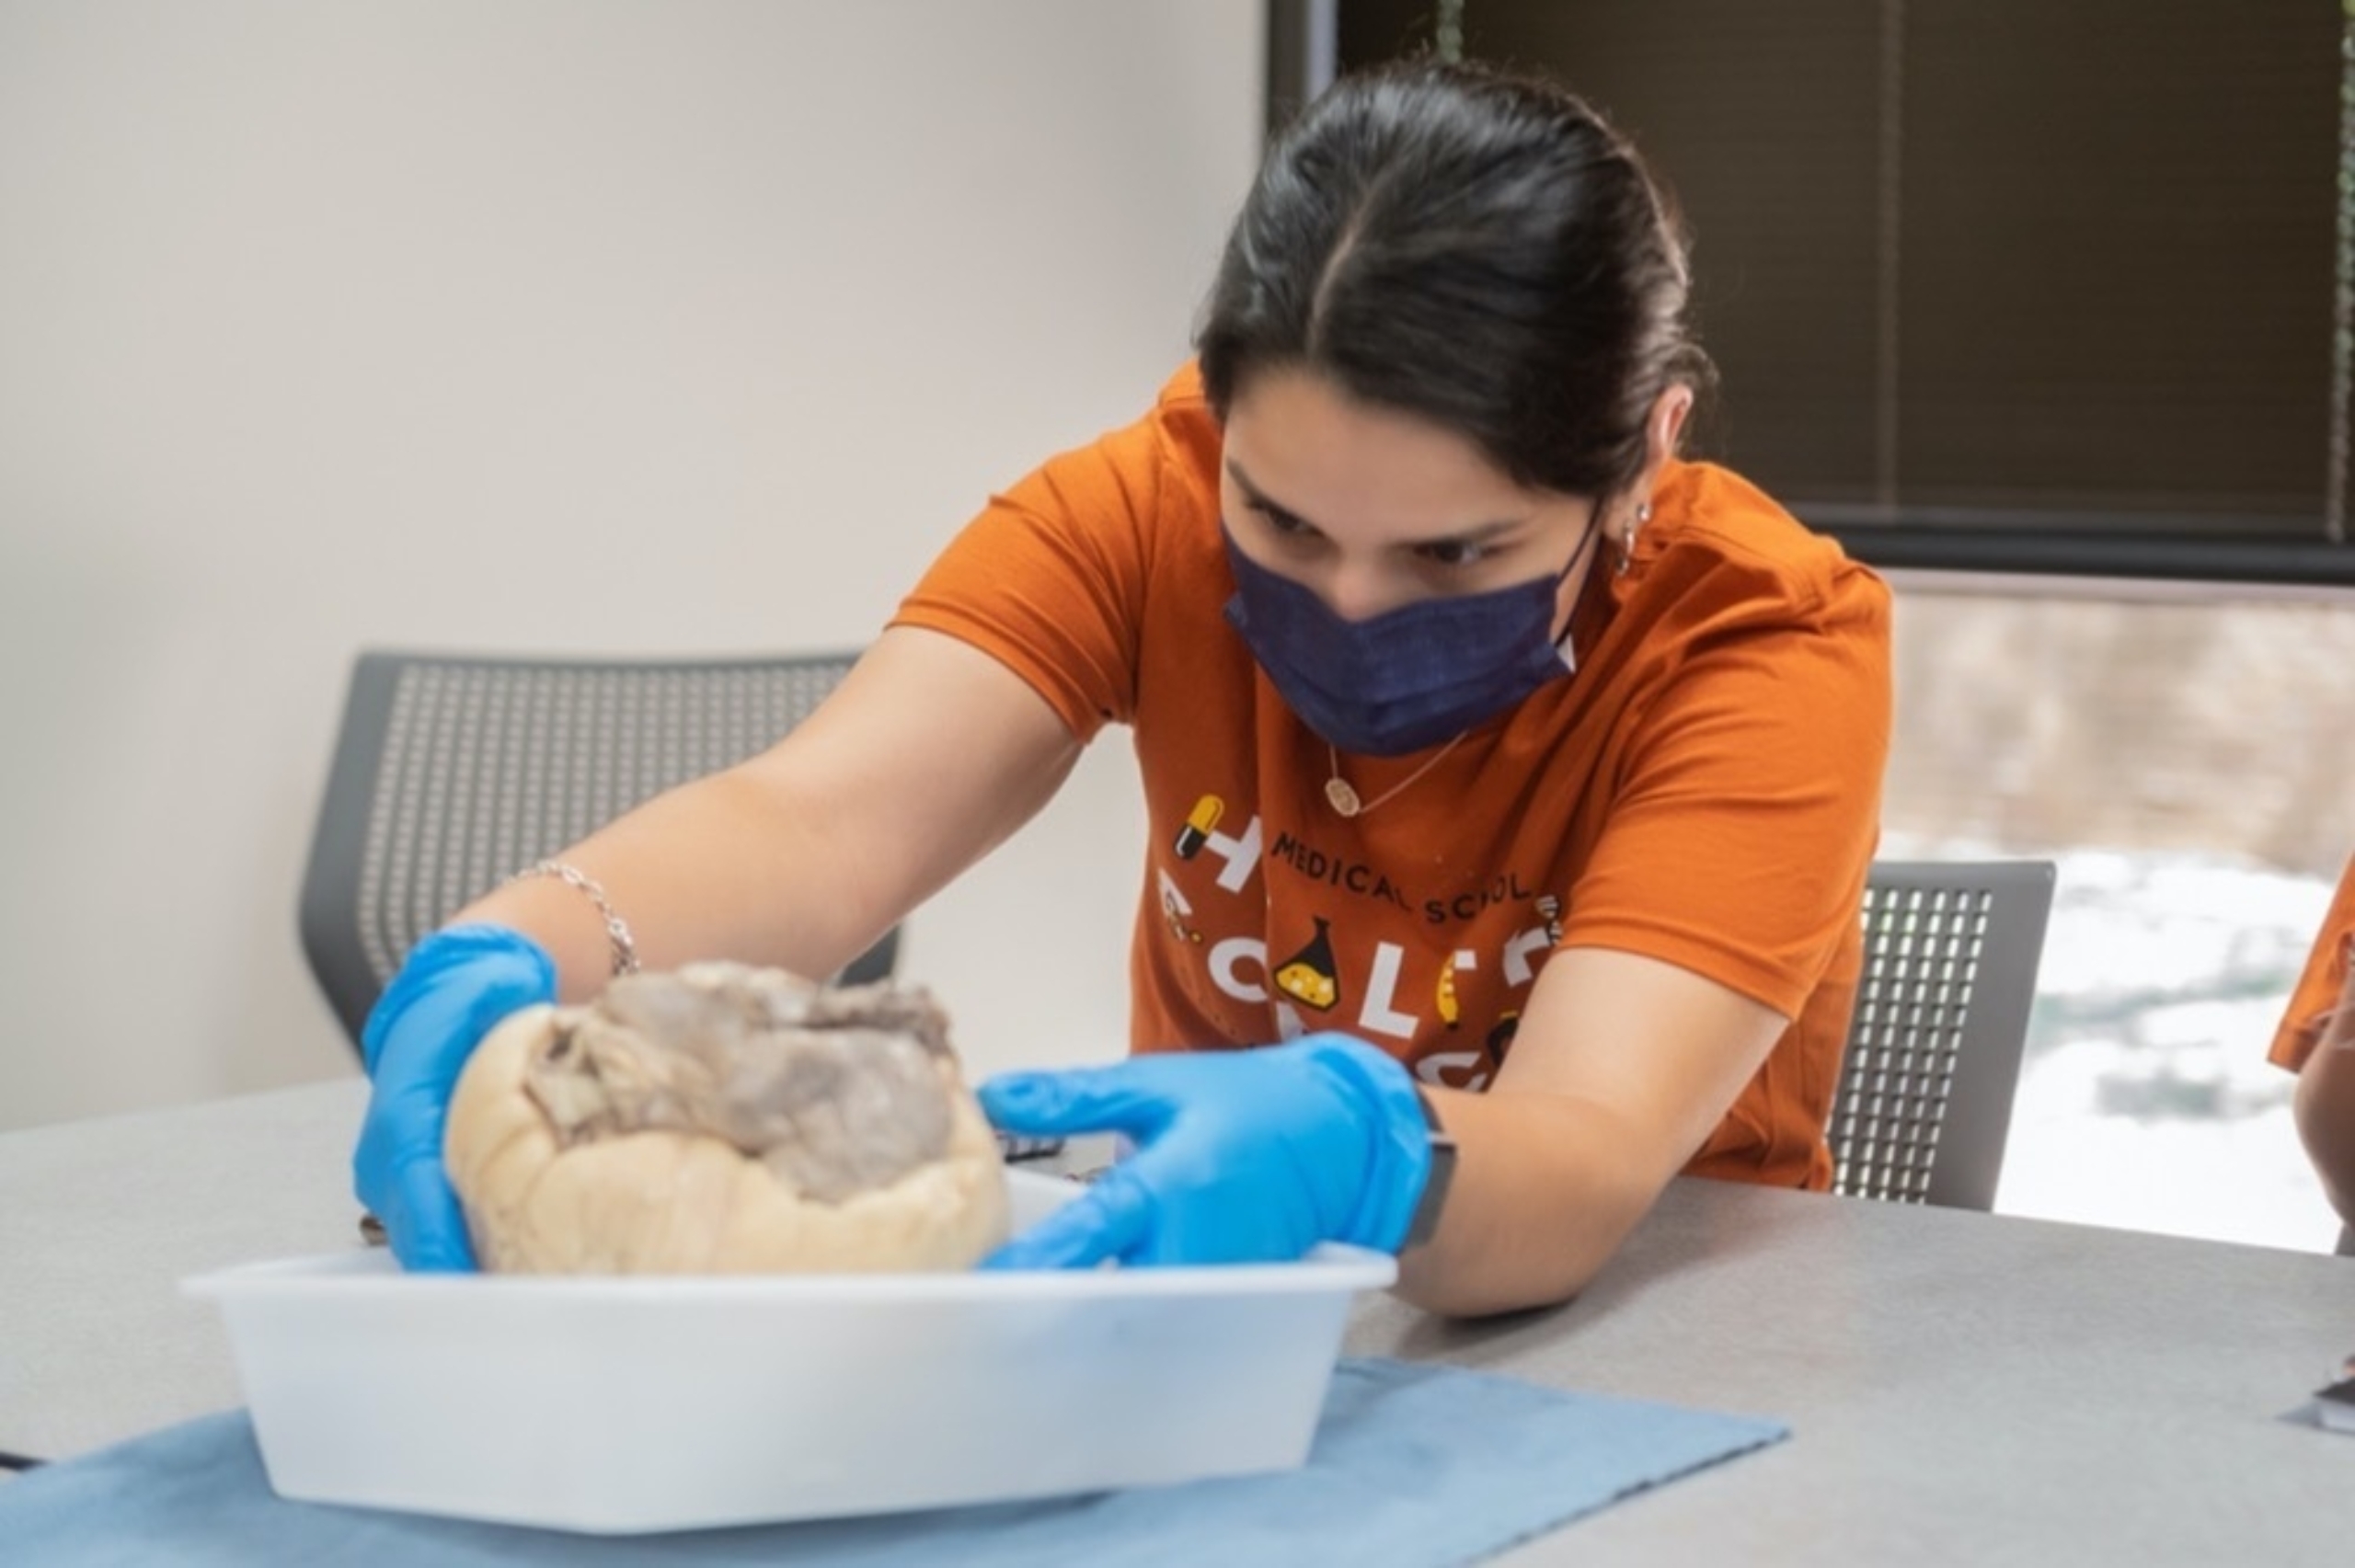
(678, 327)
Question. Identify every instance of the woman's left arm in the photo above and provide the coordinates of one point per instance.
(1622, 1068)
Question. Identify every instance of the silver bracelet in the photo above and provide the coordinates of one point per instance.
(616, 928)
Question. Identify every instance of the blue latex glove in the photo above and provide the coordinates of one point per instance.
(1242, 1156)
(454, 986)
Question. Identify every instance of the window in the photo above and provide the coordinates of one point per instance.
(2003, 285)
(2184, 763)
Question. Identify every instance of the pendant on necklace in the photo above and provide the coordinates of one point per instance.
(1342, 798)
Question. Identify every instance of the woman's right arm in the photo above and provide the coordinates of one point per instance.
(928, 756)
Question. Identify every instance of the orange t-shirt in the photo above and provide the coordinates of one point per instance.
(2316, 996)
(1702, 788)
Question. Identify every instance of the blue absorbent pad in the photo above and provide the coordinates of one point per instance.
(1414, 1466)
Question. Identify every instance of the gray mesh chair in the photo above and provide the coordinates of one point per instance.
(452, 773)
(1925, 1102)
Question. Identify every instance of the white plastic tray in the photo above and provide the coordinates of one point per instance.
(625, 1404)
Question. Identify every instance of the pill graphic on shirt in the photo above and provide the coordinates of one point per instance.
(1198, 823)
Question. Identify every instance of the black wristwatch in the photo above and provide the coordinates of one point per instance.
(1425, 1224)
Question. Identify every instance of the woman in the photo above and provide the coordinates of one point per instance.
(1519, 776)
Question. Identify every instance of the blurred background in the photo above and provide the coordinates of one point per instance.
(592, 326)
(570, 326)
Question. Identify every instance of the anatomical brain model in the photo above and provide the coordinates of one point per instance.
(725, 1119)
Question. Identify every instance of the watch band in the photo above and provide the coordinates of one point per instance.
(1425, 1223)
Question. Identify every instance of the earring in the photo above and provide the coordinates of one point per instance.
(1628, 540)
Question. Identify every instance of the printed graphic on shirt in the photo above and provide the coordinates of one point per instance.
(1471, 1068)
(1320, 948)
(1308, 977)
(1174, 911)
(1198, 823)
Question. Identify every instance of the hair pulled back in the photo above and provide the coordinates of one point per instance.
(1473, 247)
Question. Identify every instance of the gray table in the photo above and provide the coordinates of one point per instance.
(1963, 1388)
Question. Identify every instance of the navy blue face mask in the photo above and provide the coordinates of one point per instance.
(1410, 677)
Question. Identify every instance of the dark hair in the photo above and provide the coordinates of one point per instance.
(1471, 246)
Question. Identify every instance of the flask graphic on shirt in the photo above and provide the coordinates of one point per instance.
(1309, 976)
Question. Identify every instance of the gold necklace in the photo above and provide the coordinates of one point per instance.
(1344, 800)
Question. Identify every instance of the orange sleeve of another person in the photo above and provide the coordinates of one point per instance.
(2318, 987)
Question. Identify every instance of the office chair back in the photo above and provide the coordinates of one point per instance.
(451, 773)
(1925, 1102)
